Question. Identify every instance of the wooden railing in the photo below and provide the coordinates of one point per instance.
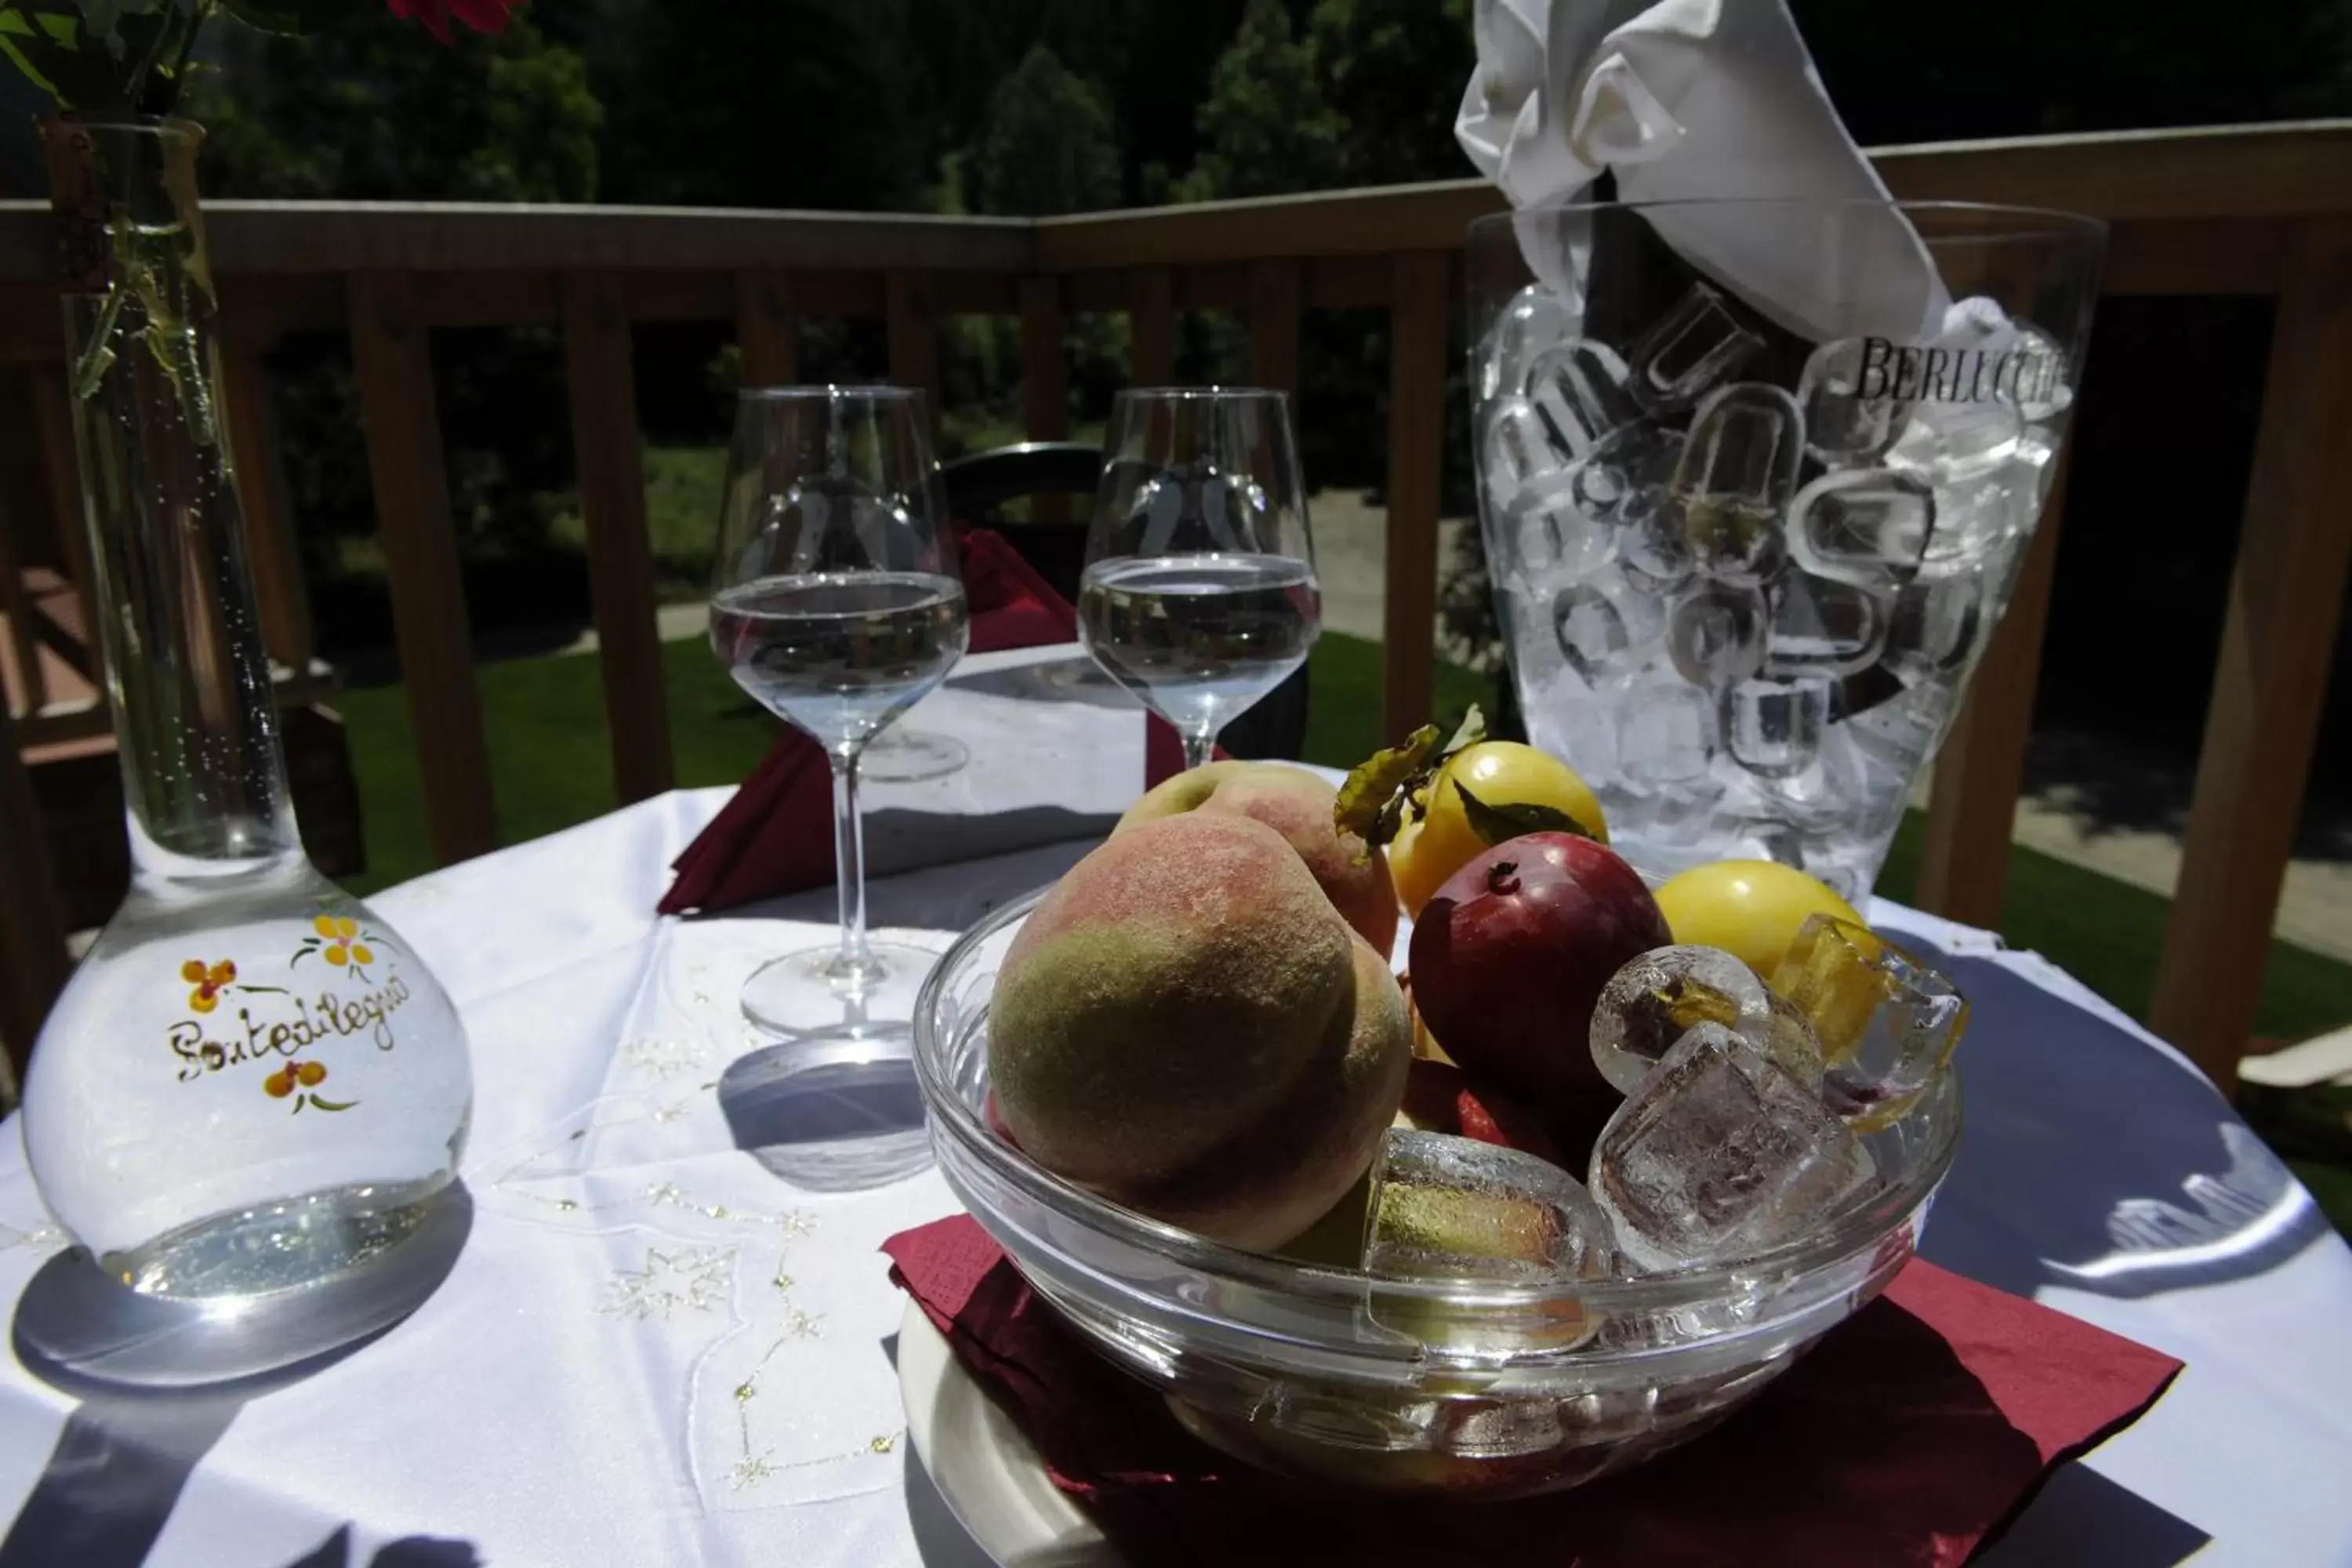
(2263, 210)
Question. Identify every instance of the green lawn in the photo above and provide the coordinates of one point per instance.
(551, 759)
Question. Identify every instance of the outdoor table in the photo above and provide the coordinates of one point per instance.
(657, 1347)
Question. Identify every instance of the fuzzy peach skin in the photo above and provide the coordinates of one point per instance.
(1185, 1025)
(1296, 805)
(1269, 1182)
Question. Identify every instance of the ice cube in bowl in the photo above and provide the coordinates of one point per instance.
(1401, 1383)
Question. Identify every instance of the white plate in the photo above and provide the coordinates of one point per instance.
(983, 1466)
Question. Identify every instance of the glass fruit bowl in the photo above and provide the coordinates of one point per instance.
(1468, 1388)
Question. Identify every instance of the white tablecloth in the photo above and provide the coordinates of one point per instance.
(654, 1350)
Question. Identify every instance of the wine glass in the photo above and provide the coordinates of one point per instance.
(837, 603)
(1199, 595)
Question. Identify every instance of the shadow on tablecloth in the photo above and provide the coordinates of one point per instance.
(158, 1383)
(408, 1552)
(2093, 1161)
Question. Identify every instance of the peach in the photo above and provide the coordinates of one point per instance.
(1296, 805)
(1186, 1026)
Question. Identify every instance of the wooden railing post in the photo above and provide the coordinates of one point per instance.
(1274, 301)
(1973, 812)
(2271, 677)
(1418, 316)
(393, 352)
(25, 647)
(1152, 326)
(764, 328)
(33, 962)
(1044, 380)
(269, 546)
(608, 455)
(911, 317)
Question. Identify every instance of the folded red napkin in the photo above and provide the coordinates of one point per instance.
(1910, 1435)
(775, 836)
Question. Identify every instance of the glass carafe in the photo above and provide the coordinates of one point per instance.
(251, 1083)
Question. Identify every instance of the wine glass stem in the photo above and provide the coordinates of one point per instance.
(1199, 746)
(849, 867)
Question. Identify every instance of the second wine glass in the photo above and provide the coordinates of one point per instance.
(836, 605)
(1199, 595)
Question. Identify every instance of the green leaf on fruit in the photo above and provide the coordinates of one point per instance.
(1378, 791)
(1468, 733)
(1369, 798)
(1500, 823)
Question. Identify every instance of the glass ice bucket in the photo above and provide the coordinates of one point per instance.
(1755, 482)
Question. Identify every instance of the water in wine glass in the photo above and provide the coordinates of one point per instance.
(840, 654)
(1199, 638)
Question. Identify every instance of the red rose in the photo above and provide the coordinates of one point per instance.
(482, 16)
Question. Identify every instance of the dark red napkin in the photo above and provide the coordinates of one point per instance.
(775, 836)
(1909, 1435)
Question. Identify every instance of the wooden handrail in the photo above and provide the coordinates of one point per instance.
(274, 238)
(2236, 209)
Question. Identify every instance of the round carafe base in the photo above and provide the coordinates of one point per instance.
(267, 1250)
(79, 1327)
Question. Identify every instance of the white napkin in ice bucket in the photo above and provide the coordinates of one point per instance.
(1686, 99)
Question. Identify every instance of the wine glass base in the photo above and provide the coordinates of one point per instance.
(808, 995)
(911, 756)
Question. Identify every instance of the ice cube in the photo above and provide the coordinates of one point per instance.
(1972, 322)
(1974, 515)
(1734, 479)
(1934, 626)
(1721, 1155)
(1551, 539)
(1654, 553)
(2036, 376)
(1746, 445)
(1534, 320)
(1665, 728)
(1518, 451)
(1715, 634)
(1948, 441)
(1826, 796)
(1865, 526)
(1887, 1020)
(1678, 814)
(2016, 360)
(1733, 542)
(1604, 626)
(1691, 348)
(1888, 739)
(1590, 628)
(1619, 479)
(1823, 627)
(1842, 428)
(2033, 467)
(1773, 728)
(1565, 715)
(1579, 387)
(1663, 994)
(1455, 1208)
